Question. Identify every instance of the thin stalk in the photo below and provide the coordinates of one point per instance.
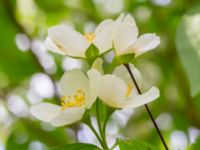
(104, 124)
(114, 145)
(105, 121)
(102, 133)
(146, 106)
(96, 134)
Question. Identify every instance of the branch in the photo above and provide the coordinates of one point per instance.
(146, 106)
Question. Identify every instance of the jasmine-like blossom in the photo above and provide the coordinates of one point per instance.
(118, 90)
(65, 40)
(79, 93)
(126, 39)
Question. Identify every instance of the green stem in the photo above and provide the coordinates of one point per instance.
(106, 120)
(96, 134)
(104, 125)
(114, 145)
(101, 131)
(104, 129)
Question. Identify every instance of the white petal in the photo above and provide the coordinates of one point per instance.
(45, 111)
(120, 18)
(68, 116)
(68, 39)
(126, 19)
(129, 20)
(50, 45)
(122, 73)
(117, 23)
(124, 38)
(112, 91)
(98, 65)
(103, 25)
(136, 101)
(103, 33)
(94, 85)
(72, 81)
(145, 43)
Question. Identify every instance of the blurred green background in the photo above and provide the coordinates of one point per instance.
(29, 73)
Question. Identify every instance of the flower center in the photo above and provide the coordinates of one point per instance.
(129, 90)
(77, 100)
(90, 36)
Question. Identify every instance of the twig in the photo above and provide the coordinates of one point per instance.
(146, 106)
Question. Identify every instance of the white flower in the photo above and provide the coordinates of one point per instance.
(126, 40)
(117, 89)
(65, 40)
(79, 93)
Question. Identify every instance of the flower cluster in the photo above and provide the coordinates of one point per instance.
(79, 90)
(121, 35)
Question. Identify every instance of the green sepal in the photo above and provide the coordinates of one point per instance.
(91, 54)
(105, 110)
(124, 59)
(109, 68)
(120, 60)
(86, 117)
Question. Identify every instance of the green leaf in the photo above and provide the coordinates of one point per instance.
(135, 145)
(187, 42)
(76, 146)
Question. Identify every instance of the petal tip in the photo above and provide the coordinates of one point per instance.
(155, 91)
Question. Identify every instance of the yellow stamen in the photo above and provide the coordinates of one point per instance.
(79, 91)
(77, 100)
(129, 90)
(90, 36)
(63, 98)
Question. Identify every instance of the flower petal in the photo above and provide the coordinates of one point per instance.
(136, 101)
(117, 23)
(112, 91)
(98, 65)
(72, 81)
(121, 17)
(129, 20)
(69, 116)
(103, 33)
(45, 111)
(124, 38)
(122, 73)
(50, 45)
(94, 85)
(103, 25)
(145, 43)
(66, 38)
